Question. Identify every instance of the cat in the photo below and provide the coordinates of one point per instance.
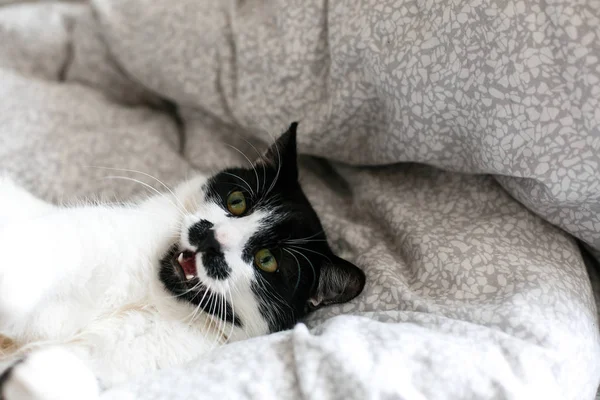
(93, 295)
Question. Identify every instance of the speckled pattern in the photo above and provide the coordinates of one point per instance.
(470, 295)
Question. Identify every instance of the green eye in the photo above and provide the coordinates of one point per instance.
(236, 203)
(265, 260)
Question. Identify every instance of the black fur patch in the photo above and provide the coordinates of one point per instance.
(202, 236)
(215, 265)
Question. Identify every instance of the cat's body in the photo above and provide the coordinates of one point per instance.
(96, 299)
(111, 292)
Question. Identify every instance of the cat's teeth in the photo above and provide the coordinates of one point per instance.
(188, 277)
(180, 258)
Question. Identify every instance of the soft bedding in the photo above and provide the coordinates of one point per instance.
(474, 288)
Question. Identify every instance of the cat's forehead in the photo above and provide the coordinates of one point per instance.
(254, 180)
(266, 188)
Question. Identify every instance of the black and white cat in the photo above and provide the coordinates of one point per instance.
(93, 295)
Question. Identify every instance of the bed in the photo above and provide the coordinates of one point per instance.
(452, 150)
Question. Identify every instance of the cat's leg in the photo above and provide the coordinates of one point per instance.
(49, 374)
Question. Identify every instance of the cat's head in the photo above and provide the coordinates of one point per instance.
(252, 250)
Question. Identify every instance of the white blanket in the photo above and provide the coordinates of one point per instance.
(470, 294)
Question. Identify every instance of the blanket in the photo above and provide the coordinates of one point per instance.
(451, 150)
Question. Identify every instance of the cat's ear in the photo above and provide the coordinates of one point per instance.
(340, 281)
(282, 154)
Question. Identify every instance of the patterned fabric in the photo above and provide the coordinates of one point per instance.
(469, 294)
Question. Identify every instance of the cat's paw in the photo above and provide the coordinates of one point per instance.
(49, 374)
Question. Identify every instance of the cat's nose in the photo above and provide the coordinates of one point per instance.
(228, 237)
(202, 236)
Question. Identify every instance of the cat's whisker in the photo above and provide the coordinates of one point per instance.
(272, 292)
(312, 251)
(190, 318)
(249, 323)
(221, 321)
(200, 304)
(299, 269)
(147, 175)
(308, 237)
(218, 315)
(279, 306)
(243, 180)
(126, 178)
(232, 312)
(302, 241)
(209, 318)
(215, 316)
(195, 287)
(278, 300)
(224, 317)
(260, 157)
(268, 295)
(251, 164)
(312, 267)
(192, 315)
(278, 170)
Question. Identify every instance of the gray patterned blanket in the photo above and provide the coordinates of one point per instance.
(475, 290)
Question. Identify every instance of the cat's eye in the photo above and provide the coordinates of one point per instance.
(236, 203)
(265, 260)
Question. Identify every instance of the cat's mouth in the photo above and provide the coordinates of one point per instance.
(178, 271)
(186, 261)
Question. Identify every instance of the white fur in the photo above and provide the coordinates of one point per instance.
(51, 374)
(86, 279)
